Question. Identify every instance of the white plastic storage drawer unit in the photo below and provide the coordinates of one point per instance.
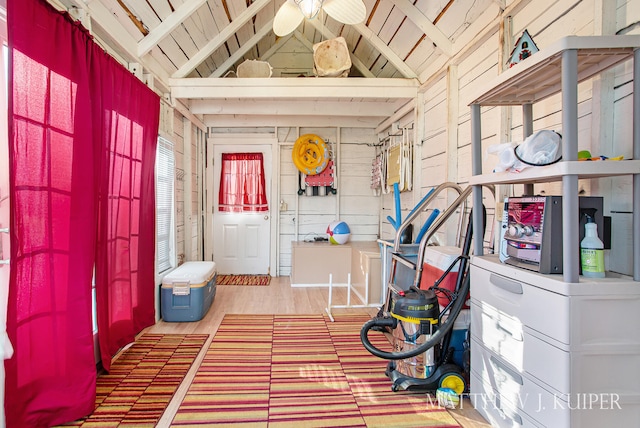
(188, 291)
(549, 353)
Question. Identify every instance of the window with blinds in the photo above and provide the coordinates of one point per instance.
(165, 172)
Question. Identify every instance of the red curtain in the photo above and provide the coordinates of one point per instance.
(242, 183)
(82, 148)
(126, 223)
(51, 377)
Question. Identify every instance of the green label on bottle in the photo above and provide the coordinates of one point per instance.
(592, 260)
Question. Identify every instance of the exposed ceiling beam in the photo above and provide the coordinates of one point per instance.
(385, 50)
(287, 108)
(241, 121)
(481, 29)
(295, 88)
(329, 35)
(432, 32)
(302, 39)
(107, 27)
(168, 25)
(109, 24)
(246, 46)
(222, 37)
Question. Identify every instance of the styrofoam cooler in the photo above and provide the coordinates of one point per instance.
(188, 291)
(437, 260)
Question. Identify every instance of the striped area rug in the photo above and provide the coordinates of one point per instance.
(299, 371)
(243, 279)
(143, 380)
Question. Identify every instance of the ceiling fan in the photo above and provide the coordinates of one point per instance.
(292, 12)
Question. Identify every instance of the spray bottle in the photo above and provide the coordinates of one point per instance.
(591, 248)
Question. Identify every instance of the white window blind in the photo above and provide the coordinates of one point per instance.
(165, 172)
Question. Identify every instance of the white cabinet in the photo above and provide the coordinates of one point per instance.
(556, 350)
(543, 346)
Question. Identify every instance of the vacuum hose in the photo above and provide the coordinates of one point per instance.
(434, 340)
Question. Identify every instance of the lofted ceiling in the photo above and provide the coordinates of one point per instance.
(190, 47)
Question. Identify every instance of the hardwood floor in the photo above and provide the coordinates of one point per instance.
(277, 298)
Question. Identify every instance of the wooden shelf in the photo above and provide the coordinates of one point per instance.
(555, 172)
(539, 76)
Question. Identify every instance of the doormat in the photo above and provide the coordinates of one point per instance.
(300, 371)
(142, 380)
(243, 279)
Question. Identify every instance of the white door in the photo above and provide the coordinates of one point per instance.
(241, 241)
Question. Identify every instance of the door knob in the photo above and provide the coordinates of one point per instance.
(266, 217)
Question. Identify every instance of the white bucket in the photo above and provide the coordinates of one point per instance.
(331, 58)
(254, 68)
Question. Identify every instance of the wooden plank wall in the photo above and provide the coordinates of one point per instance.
(443, 142)
(188, 147)
(292, 59)
(354, 203)
(602, 129)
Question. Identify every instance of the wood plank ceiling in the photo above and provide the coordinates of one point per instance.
(183, 44)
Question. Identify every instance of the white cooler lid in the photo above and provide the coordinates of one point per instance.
(193, 272)
(441, 257)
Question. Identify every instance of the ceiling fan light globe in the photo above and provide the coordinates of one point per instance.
(309, 8)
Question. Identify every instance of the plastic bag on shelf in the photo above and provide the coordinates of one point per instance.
(539, 149)
(506, 156)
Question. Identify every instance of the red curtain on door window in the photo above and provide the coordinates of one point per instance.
(242, 183)
(51, 377)
(82, 153)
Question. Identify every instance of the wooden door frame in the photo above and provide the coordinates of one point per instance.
(243, 142)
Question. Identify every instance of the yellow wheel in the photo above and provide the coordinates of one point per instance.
(310, 154)
(453, 381)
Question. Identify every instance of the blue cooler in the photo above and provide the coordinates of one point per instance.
(188, 291)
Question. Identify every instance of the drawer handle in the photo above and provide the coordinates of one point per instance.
(515, 336)
(506, 284)
(511, 415)
(502, 366)
(516, 418)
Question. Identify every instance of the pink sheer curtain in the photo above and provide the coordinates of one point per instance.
(82, 151)
(242, 183)
(126, 231)
(51, 377)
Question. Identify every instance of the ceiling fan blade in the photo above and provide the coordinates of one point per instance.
(287, 19)
(346, 11)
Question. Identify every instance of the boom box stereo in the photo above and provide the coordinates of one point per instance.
(533, 233)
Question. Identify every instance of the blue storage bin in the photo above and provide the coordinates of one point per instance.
(188, 292)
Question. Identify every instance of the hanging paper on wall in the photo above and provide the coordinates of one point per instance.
(393, 165)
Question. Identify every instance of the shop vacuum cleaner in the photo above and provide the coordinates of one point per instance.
(421, 358)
